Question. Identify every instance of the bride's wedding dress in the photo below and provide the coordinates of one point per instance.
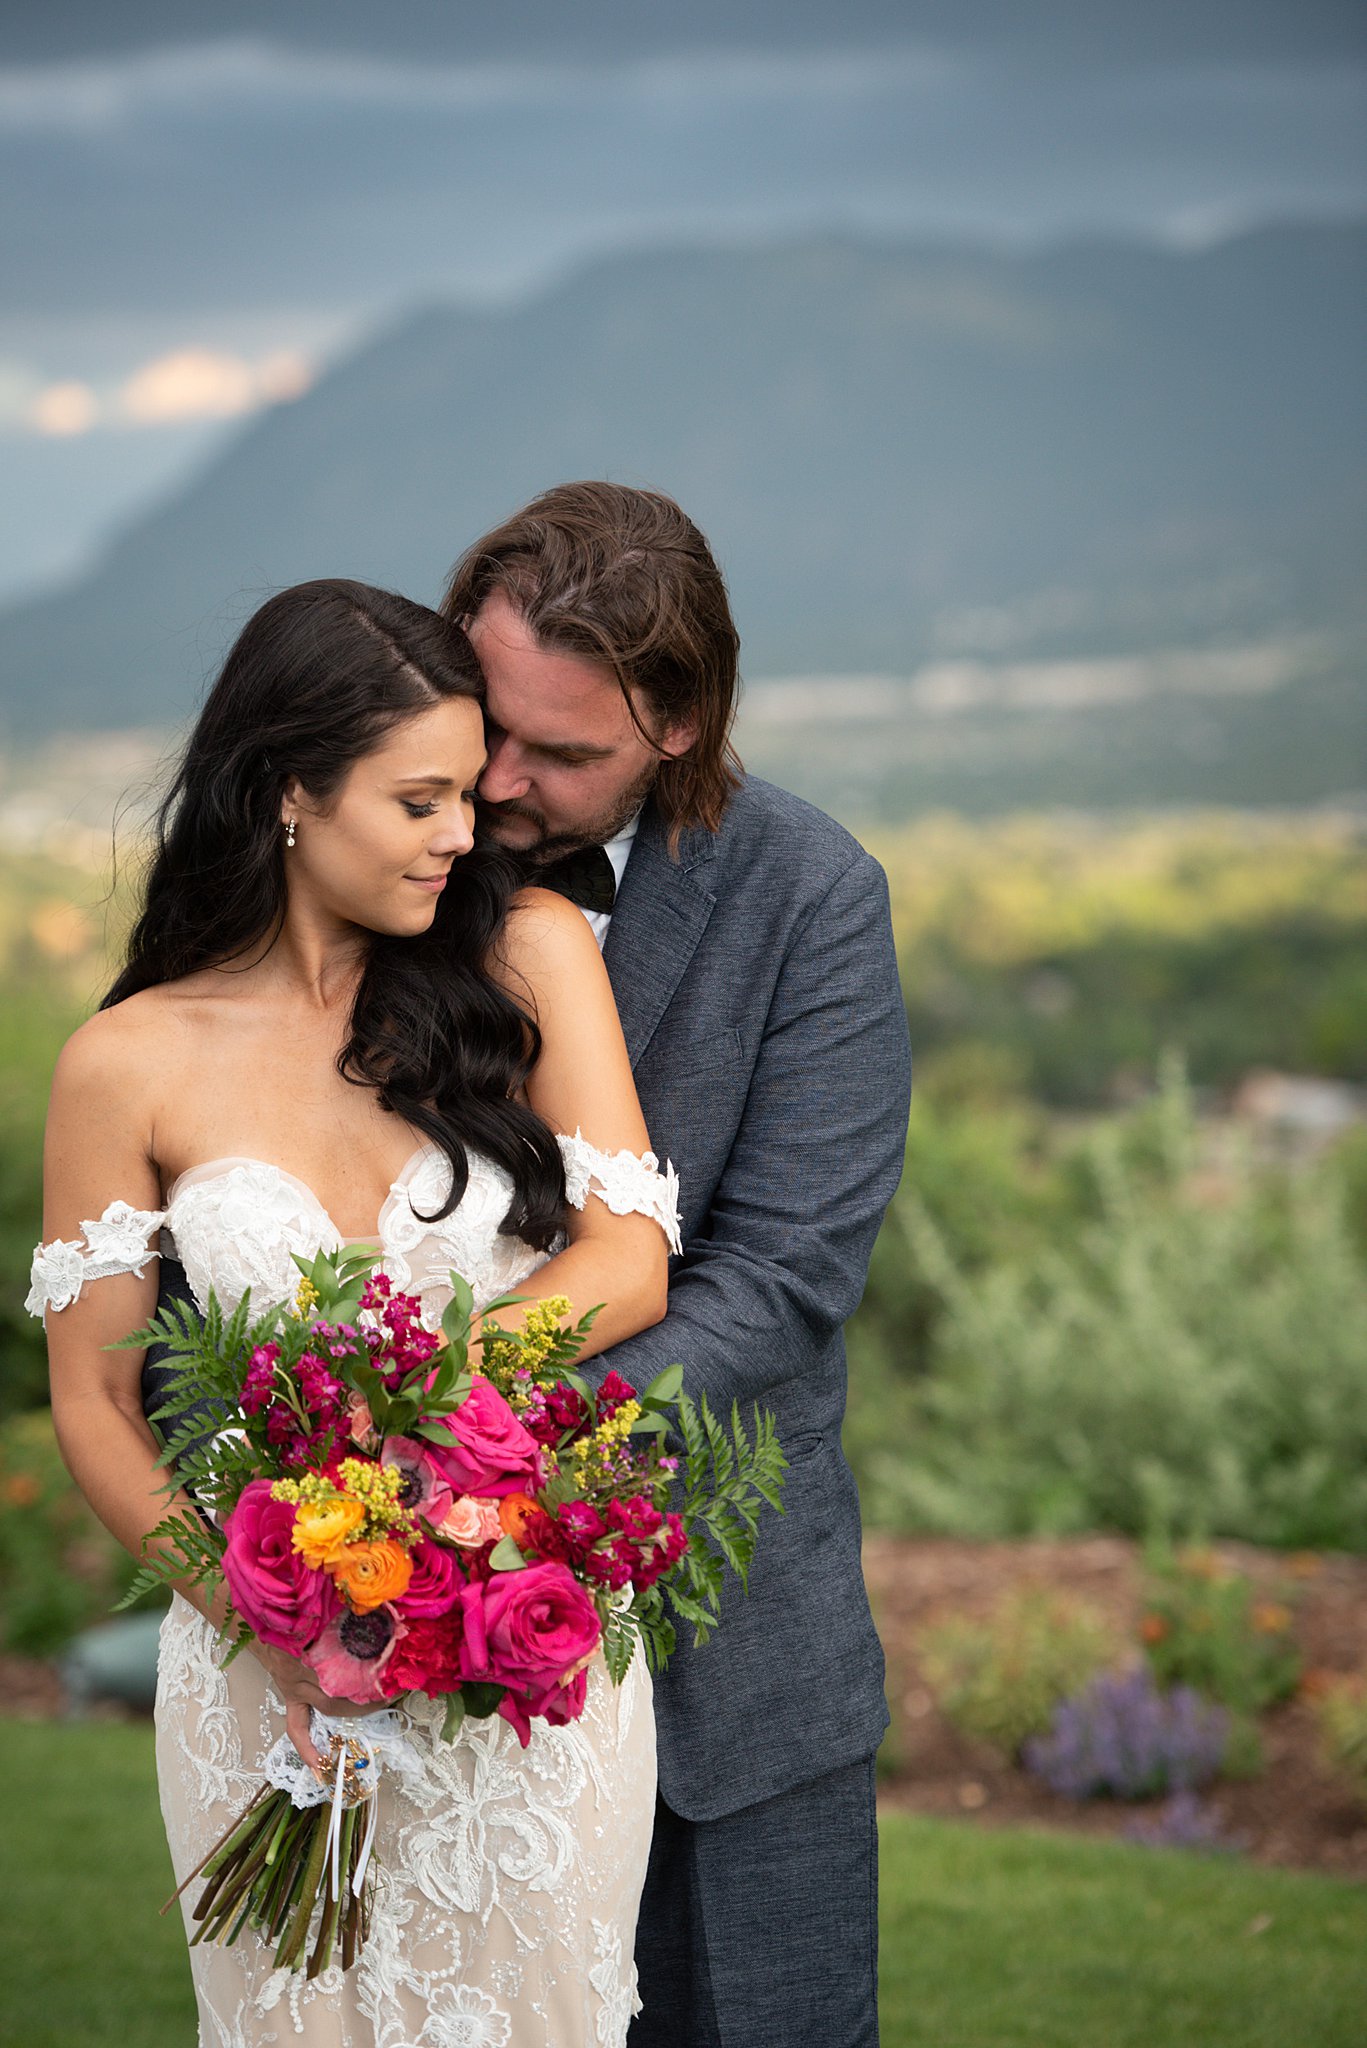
(509, 1879)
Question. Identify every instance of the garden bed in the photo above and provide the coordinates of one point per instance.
(1294, 1813)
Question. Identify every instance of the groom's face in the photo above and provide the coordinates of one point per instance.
(567, 766)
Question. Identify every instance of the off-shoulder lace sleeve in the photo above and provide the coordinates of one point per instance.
(631, 1183)
(114, 1243)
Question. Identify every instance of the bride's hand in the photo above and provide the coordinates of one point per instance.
(298, 1687)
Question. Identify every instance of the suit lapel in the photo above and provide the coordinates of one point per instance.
(660, 914)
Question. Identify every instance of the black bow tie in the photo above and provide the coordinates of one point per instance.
(585, 876)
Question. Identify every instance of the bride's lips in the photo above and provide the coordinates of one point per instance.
(436, 883)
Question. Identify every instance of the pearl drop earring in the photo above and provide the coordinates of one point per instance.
(289, 833)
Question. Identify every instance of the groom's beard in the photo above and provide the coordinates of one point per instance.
(595, 831)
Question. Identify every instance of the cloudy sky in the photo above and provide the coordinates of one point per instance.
(199, 207)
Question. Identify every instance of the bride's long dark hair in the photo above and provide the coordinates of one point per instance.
(316, 679)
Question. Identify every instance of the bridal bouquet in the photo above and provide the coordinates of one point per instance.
(405, 1522)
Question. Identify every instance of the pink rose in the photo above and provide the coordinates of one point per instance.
(472, 1523)
(286, 1601)
(489, 1450)
(360, 1422)
(557, 1704)
(528, 1630)
(436, 1582)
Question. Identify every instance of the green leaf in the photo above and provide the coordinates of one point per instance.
(650, 1425)
(666, 1386)
(491, 1308)
(455, 1716)
(481, 1700)
(506, 1557)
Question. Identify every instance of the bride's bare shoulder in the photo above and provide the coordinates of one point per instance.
(546, 945)
(127, 1048)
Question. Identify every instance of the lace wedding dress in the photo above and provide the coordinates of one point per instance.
(509, 1879)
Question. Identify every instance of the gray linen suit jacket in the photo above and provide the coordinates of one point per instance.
(757, 985)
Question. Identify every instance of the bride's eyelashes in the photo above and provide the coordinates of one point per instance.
(429, 810)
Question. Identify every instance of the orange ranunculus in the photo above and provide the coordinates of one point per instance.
(513, 1511)
(371, 1573)
(321, 1528)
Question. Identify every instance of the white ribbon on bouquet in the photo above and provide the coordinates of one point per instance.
(381, 1737)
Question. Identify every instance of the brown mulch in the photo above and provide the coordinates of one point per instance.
(1294, 1813)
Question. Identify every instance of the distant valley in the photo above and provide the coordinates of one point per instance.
(1095, 515)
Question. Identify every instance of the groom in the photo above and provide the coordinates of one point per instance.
(749, 946)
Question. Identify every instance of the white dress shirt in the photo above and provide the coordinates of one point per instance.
(618, 851)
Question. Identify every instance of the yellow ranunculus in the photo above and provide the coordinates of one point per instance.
(321, 1528)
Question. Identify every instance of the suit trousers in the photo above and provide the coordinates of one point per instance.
(760, 1930)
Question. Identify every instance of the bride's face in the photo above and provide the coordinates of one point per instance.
(377, 854)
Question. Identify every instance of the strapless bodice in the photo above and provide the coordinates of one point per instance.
(236, 1223)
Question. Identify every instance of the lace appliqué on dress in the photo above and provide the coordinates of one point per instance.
(113, 1243)
(631, 1183)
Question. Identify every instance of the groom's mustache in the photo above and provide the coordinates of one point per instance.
(511, 809)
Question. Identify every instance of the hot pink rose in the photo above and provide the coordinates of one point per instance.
(436, 1582)
(489, 1451)
(528, 1630)
(276, 1593)
(556, 1705)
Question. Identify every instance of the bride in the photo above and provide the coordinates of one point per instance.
(338, 1023)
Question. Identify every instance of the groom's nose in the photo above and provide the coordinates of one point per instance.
(506, 776)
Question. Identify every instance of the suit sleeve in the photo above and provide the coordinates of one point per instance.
(782, 1259)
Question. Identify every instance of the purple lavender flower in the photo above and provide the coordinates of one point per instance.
(1125, 1738)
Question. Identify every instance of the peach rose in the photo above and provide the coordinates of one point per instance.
(371, 1573)
(471, 1522)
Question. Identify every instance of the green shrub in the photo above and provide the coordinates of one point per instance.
(999, 1679)
(1340, 1708)
(60, 1569)
(1179, 1359)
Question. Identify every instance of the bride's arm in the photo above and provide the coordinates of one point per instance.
(98, 1149)
(582, 1083)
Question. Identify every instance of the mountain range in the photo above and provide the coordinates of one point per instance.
(902, 454)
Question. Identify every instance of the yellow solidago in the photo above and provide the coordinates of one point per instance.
(369, 1489)
(305, 1295)
(594, 1455)
(516, 1361)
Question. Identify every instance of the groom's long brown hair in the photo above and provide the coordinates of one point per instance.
(624, 577)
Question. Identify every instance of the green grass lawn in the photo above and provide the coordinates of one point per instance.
(989, 1940)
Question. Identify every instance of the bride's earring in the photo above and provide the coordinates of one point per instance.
(289, 833)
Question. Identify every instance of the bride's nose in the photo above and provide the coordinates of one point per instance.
(454, 836)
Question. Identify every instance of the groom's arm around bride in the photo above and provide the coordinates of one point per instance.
(751, 955)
